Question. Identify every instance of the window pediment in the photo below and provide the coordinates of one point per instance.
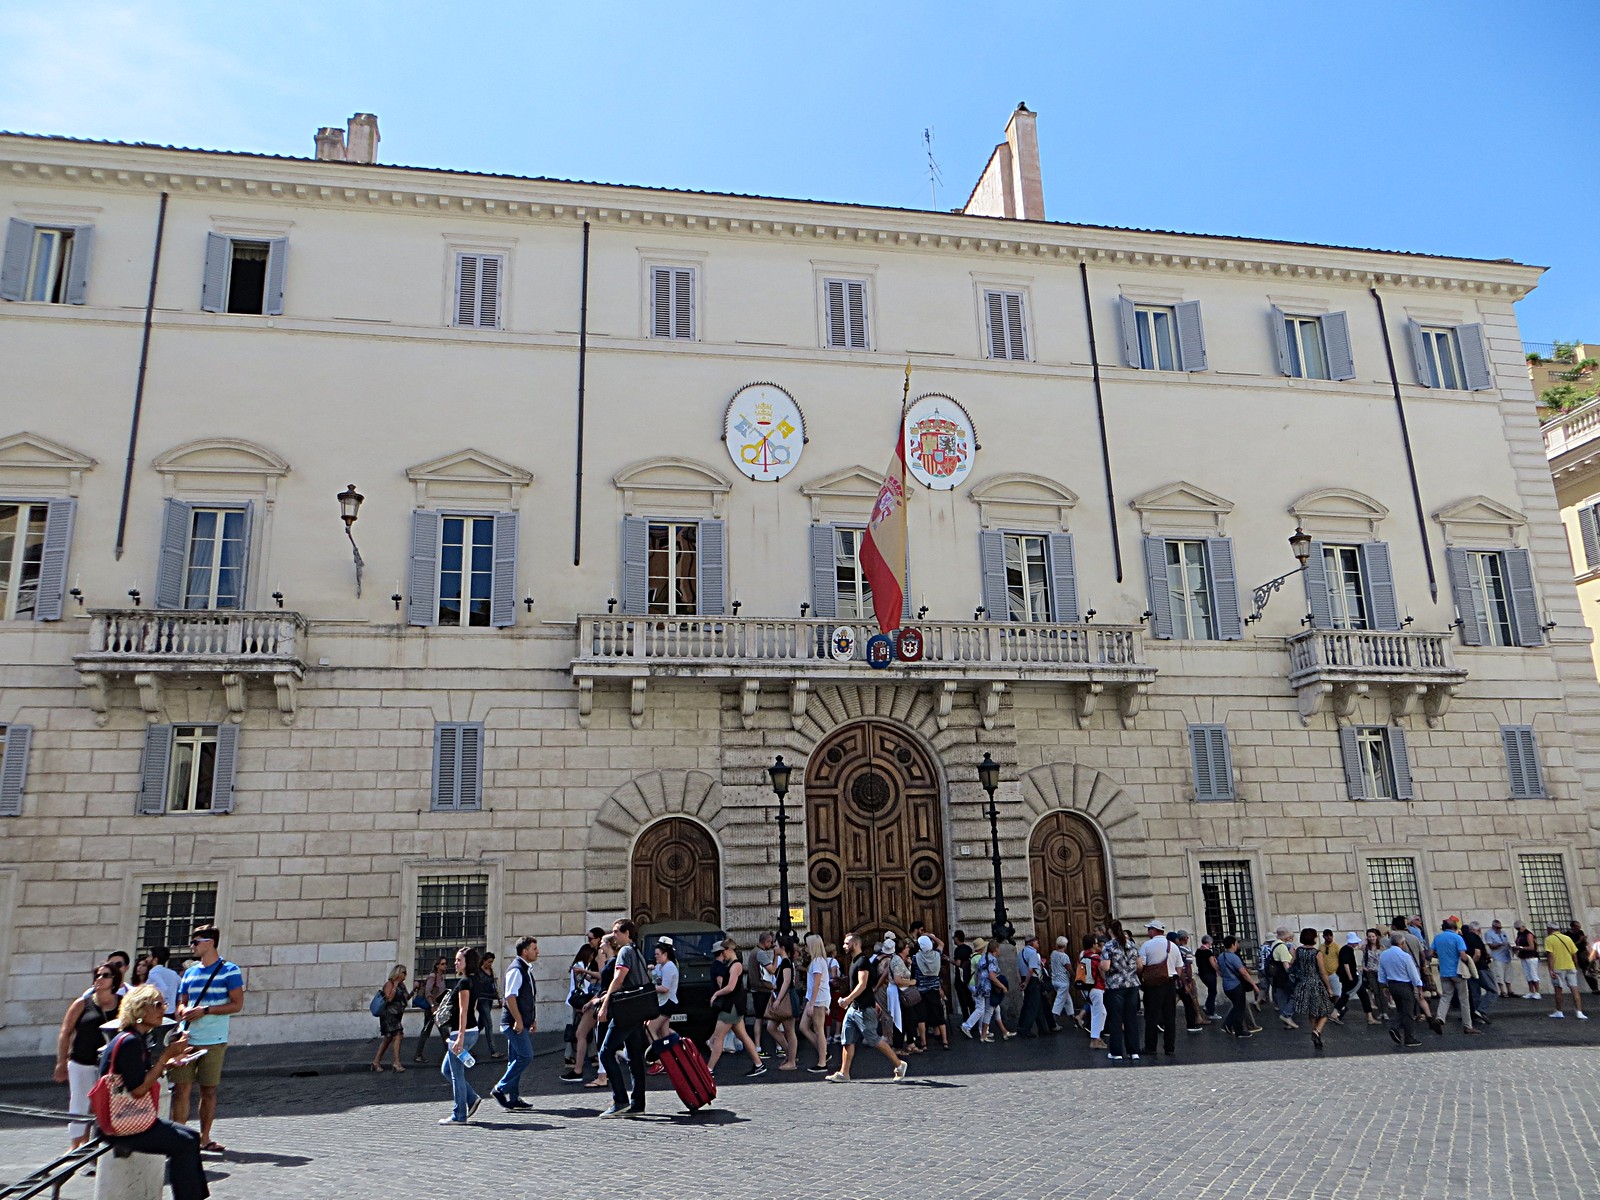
(1331, 513)
(33, 465)
(672, 487)
(214, 465)
(846, 495)
(1021, 498)
(1181, 507)
(1482, 520)
(468, 477)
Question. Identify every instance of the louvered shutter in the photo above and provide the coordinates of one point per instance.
(53, 560)
(992, 562)
(174, 554)
(1399, 762)
(503, 586)
(995, 306)
(1191, 336)
(14, 768)
(224, 768)
(446, 766)
(1317, 601)
(1419, 355)
(214, 280)
(78, 268)
(153, 770)
(422, 598)
(466, 290)
(838, 323)
(661, 302)
(1128, 326)
(1200, 762)
(1589, 529)
(1155, 570)
(1469, 601)
(1016, 326)
(245, 546)
(1355, 779)
(1280, 340)
(1383, 611)
(683, 303)
(1524, 599)
(14, 259)
(1475, 357)
(1336, 340)
(1212, 762)
(1522, 762)
(469, 769)
(277, 263)
(824, 576)
(489, 269)
(635, 565)
(711, 560)
(855, 291)
(1224, 588)
(1063, 580)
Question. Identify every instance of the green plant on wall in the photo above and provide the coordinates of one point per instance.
(1566, 351)
(1564, 396)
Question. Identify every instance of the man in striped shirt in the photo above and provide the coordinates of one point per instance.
(210, 992)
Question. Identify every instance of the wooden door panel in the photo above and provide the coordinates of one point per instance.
(676, 874)
(1068, 872)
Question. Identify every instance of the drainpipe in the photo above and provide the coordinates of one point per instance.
(1405, 441)
(583, 358)
(138, 387)
(1100, 414)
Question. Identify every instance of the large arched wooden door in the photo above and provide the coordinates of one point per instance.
(876, 849)
(676, 874)
(1068, 867)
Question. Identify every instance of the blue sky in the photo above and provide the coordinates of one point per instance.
(1448, 126)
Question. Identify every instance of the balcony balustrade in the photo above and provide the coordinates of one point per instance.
(1342, 665)
(154, 645)
(797, 653)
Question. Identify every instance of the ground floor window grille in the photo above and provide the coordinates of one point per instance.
(1229, 896)
(1544, 882)
(170, 912)
(1392, 883)
(452, 911)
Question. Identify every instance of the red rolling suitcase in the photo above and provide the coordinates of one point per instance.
(687, 1070)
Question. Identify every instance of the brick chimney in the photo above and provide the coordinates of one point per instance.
(362, 144)
(1010, 185)
(330, 144)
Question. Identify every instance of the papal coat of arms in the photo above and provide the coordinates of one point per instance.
(842, 643)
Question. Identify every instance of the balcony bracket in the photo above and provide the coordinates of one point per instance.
(94, 685)
(233, 692)
(149, 685)
(287, 684)
(1085, 700)
(1310, 695)
(799, 693)
(1345, 696)
(585, 701)
(749, 701)
(1130, 701)
(947, 699)
(636, 704)
(990, 693)
(1437, 703)
(1403, 698)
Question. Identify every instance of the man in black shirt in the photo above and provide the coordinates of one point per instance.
(630, 974)
(861, 1014)
(961, 968)
(1480, 986)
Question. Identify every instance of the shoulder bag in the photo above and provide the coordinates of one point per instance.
(117, 1111)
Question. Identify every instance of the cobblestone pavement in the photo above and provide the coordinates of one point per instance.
(1513, 1113)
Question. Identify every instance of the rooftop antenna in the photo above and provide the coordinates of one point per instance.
(935, 178)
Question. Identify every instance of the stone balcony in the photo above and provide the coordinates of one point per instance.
(983, 656)
(1342, 665)
(1571, 430)
(153, 646)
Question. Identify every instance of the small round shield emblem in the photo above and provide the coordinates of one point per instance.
(880, 651)
(910, 644)
(842, 643)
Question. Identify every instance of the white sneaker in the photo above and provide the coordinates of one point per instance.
(1556, 1016)
(900, 1071)
(1581, 1015)
(1529, 996)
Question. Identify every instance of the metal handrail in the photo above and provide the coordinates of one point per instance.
(56, 1173)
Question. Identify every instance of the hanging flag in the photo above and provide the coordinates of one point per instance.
(883, 550)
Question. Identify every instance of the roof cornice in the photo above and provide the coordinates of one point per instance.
(380, 187)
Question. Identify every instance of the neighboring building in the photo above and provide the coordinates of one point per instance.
(1572, 442)
(617, 445)
(1549, 371)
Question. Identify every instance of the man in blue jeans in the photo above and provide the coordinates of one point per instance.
(518, 1023)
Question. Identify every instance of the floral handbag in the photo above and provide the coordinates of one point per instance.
(117, 1111)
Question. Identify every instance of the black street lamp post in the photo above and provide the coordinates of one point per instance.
(989, 777)
(779, 773)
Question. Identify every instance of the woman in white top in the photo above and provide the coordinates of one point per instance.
(819, 995)
(665, 972)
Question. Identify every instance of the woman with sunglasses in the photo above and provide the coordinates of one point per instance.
(81, 1040)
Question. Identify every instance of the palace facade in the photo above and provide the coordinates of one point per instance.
(615, 447)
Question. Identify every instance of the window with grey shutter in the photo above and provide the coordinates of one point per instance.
(77, 282)
(1522, 762)
(14, 259)
(422, 599)
(174, 560)
(1468, 599)
(478, 290)
(1316, 581)
(1212, 762)
(15, 740)
(672, 303)
(1224, 588)
(1426, 375)
(992, 564)
(226, 765)
(1399, 762)
(153, 770)
(1280, 339)
(1383, 611)
(47, 264)
(1589, 531)
(1336, 339)
(1474, 357)
(53, 560)
(635, 546)
(1063, 579)
(1127, 326)
(1524, 598)
(277, 265)
(1355, 774)
(244, 275)
(457, 766)
(1155, 572)
(713, 568)
(1191, 336)
(1007, 325)
(824, 573)
(503, 593)
(214, 278)
(847, 313)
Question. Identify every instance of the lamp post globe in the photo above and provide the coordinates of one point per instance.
(989, 778)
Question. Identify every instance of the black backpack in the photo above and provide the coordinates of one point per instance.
(444, 1013)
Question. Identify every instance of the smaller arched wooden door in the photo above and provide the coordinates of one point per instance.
(1068, 868)
(677, 874)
